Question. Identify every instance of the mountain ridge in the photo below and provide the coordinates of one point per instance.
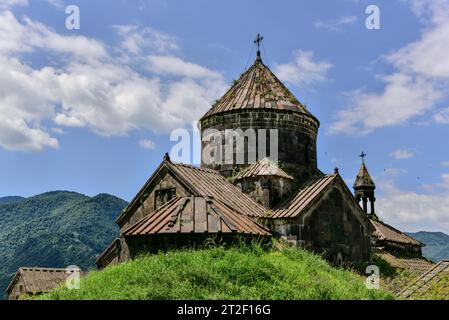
(436, 244)
(10, 199)
(56, 229)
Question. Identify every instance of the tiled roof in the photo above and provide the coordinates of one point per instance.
(202, 182)
(431, 277)
(110, 252)
(264, 167)
(363, 178)
(416, 265)
(258, 88)
(386, 232)
(39, 280)
(200, 215)
(206, 182)
(304, 197)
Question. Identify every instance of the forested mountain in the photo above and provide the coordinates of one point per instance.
(8, 200)
(55, 229)
(437, 244)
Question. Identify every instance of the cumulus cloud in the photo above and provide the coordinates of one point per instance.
(303, 70)
(336, 25)
(421, 70)
(413, 211)
(402, 154)
(147, 144)
(176, 66)
(135, 40)
(94, 89)
(28, 35)
(445, 181)
(442, 116)
(403, 97)
(10, 3)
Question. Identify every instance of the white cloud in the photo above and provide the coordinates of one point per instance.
(402, 154)
(422, 69)
(57, 130)
(10, 3)
(17, 135)
(176, 66)
(336, 25)
(147, 144)
(95, 90)
(28, 36)
(303, 70)
(135, 40)
(445, 181)
(413, 211)
(442, 116)
(445, 164)
(404, 97)
(56, 3)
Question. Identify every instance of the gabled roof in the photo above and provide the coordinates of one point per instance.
(199, 215)
(385, 232)
(39, 280)
(433, 276)
(201, 182)
(258, 88)
(264, 167)
(416, 265)
(363, 178)
(304, 197)
(110, 251)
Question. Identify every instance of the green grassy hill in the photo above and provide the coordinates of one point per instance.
(437, 244)
(55, 229)
(218, 273)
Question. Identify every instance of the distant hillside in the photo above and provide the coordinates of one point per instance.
(437, 244)
(55, 229)
(9, 200)
(213, 273)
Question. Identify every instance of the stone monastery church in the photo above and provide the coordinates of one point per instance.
(291, 199)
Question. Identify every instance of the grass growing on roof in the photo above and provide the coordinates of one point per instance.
(244, 272)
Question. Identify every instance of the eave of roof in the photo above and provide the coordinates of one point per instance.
(108, 250)
(385, 232)
(196, 215)
(22, 272)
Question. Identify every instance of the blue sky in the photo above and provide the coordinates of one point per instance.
(91, 110)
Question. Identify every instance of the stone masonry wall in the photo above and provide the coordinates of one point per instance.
(332, 228)
(297, 134)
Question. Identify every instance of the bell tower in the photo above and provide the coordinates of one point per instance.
(258, 117)
(364, 188)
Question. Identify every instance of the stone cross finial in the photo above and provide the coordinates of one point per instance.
(258, 40)
(363, 155)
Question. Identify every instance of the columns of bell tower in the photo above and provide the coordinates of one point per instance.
(364, 188)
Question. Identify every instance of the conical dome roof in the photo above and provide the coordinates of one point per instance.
(363, 179)
(258, 88)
